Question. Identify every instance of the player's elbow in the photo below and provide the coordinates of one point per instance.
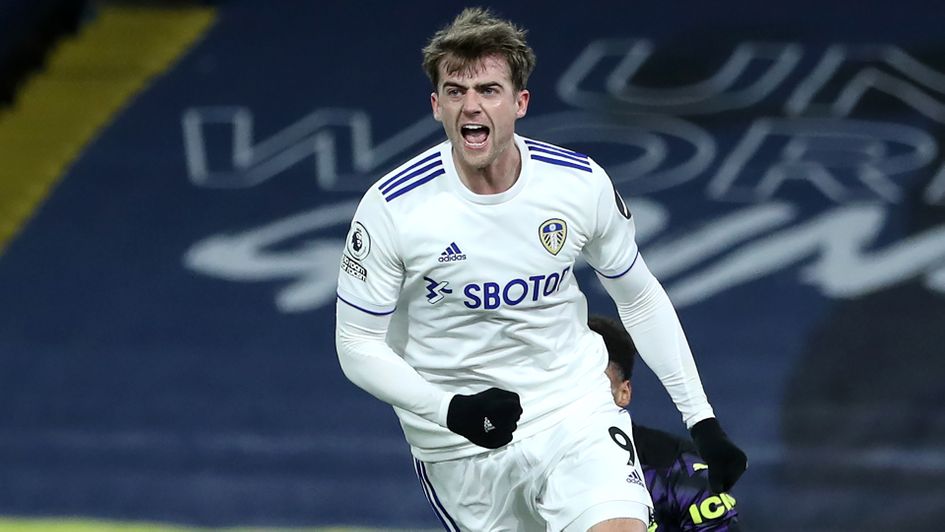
(345, 346)
(633, 287)
(357, 355)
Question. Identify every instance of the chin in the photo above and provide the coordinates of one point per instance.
(477, 159)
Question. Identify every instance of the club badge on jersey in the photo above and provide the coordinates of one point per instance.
(552, 234)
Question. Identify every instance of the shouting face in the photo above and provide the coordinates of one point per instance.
(478, 107)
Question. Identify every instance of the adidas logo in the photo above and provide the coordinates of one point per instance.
(451, 254)
(634, 478)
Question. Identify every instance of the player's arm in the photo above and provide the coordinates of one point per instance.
(369, 362)
(652, 322)
(368, 287)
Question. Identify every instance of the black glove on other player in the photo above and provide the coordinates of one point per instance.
(725, 460)
(487, 418)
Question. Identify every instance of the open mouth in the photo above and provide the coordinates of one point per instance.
(475, 135)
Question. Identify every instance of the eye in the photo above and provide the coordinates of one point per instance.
(452, 91)
(489, 91)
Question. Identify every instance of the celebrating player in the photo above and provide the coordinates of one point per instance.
(458, 305)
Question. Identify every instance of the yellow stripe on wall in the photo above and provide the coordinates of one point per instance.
(88, 79)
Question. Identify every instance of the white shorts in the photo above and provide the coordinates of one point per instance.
(570, 477)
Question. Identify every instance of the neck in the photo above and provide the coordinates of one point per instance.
(495, 178)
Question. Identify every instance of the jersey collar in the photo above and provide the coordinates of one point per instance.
(456, 184)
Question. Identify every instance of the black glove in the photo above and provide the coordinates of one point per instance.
(726, 461)
(487, 418)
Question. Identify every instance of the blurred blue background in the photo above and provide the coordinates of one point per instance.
(167, 307)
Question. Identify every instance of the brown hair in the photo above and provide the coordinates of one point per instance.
(476, 33)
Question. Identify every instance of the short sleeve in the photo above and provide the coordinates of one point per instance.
(371, 273)
(610, 249)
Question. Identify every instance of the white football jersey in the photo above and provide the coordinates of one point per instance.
(482, 287)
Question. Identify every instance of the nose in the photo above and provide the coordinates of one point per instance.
(471, 102)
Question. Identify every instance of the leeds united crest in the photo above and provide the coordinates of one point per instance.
(552, 234)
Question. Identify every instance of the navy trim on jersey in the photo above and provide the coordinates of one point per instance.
(559, 154)
(563, 151)
(621, 274)
(409, 168)
(559, 162)
(416, 183)
(413, 176)
(432, 498)
(364, 309)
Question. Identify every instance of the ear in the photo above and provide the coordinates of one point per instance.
(623, 393)
(435, 106)
(521, 102)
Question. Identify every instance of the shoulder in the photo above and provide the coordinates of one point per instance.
(546, 153)
(408, 177)
(562, 160)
